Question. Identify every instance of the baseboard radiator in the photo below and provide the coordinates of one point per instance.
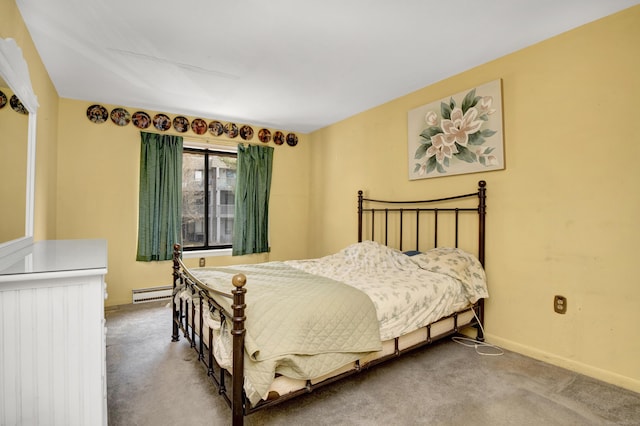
(152, 294)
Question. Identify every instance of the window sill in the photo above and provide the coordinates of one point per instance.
(206, 253)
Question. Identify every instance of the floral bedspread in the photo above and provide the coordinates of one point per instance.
(408, 292)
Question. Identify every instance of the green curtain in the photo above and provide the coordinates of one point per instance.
(160, 209)
(253, 183)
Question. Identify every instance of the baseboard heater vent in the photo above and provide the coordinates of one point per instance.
(152, 294)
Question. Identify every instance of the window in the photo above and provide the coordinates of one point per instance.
(208, 198)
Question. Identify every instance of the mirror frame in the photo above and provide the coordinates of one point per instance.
(15, 72)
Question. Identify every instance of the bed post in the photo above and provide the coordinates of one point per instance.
(238, 332)
(482, 212)
(360, 216)
(176, 276)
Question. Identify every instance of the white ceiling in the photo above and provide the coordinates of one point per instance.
(294, 65)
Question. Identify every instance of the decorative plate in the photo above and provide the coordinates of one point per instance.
(278, 138)
(141, 120)
(216, 128)
(199, 126)
(231, 130)
(120, 116)
(246, 133)
(97, 114)
(3, 100)
(181, 124)
(292, 139)
(161, 122)
(17, 105)
(264, 135)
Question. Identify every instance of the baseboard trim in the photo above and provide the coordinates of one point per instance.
(572, 365)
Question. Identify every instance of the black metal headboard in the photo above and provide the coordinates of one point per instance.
(412, 211)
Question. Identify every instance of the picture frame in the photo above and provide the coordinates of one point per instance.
(459, 134)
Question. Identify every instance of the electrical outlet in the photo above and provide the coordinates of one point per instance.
(202, 262)
(560, 304)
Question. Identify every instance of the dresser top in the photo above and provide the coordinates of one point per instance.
(53, 256)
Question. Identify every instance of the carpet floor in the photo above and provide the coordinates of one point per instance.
(153, 381)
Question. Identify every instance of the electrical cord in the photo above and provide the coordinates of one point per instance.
(478, 345)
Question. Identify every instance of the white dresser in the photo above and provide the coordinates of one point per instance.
(52, 334)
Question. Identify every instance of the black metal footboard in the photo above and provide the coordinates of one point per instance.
(184, 318)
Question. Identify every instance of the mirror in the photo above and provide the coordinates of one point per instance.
(13, 166)
(17, 150)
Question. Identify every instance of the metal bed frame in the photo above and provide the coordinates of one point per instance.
(240, 405)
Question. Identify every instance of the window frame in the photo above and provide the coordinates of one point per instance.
(206, 150)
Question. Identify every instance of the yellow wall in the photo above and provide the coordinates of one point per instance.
(12, 26)
(570, 142)
(562, 216)
(98, 174)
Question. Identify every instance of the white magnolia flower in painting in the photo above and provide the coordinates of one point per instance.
(431, 118)
(460, 126)
(485, 105)
(489, 160)
(454, 135)
(441, 147)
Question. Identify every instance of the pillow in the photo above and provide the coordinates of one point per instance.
(459, 265)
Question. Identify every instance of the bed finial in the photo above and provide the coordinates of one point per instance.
(239, 280)
(482, 184)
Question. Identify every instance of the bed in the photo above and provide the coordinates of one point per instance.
(270, 332)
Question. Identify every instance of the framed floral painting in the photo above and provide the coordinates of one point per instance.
(459, 134)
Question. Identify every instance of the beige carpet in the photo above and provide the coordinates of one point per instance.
(153, 381)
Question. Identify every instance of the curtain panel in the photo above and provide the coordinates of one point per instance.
(253, 185)
(160, 206)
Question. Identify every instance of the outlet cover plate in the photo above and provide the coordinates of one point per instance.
(560, 304)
